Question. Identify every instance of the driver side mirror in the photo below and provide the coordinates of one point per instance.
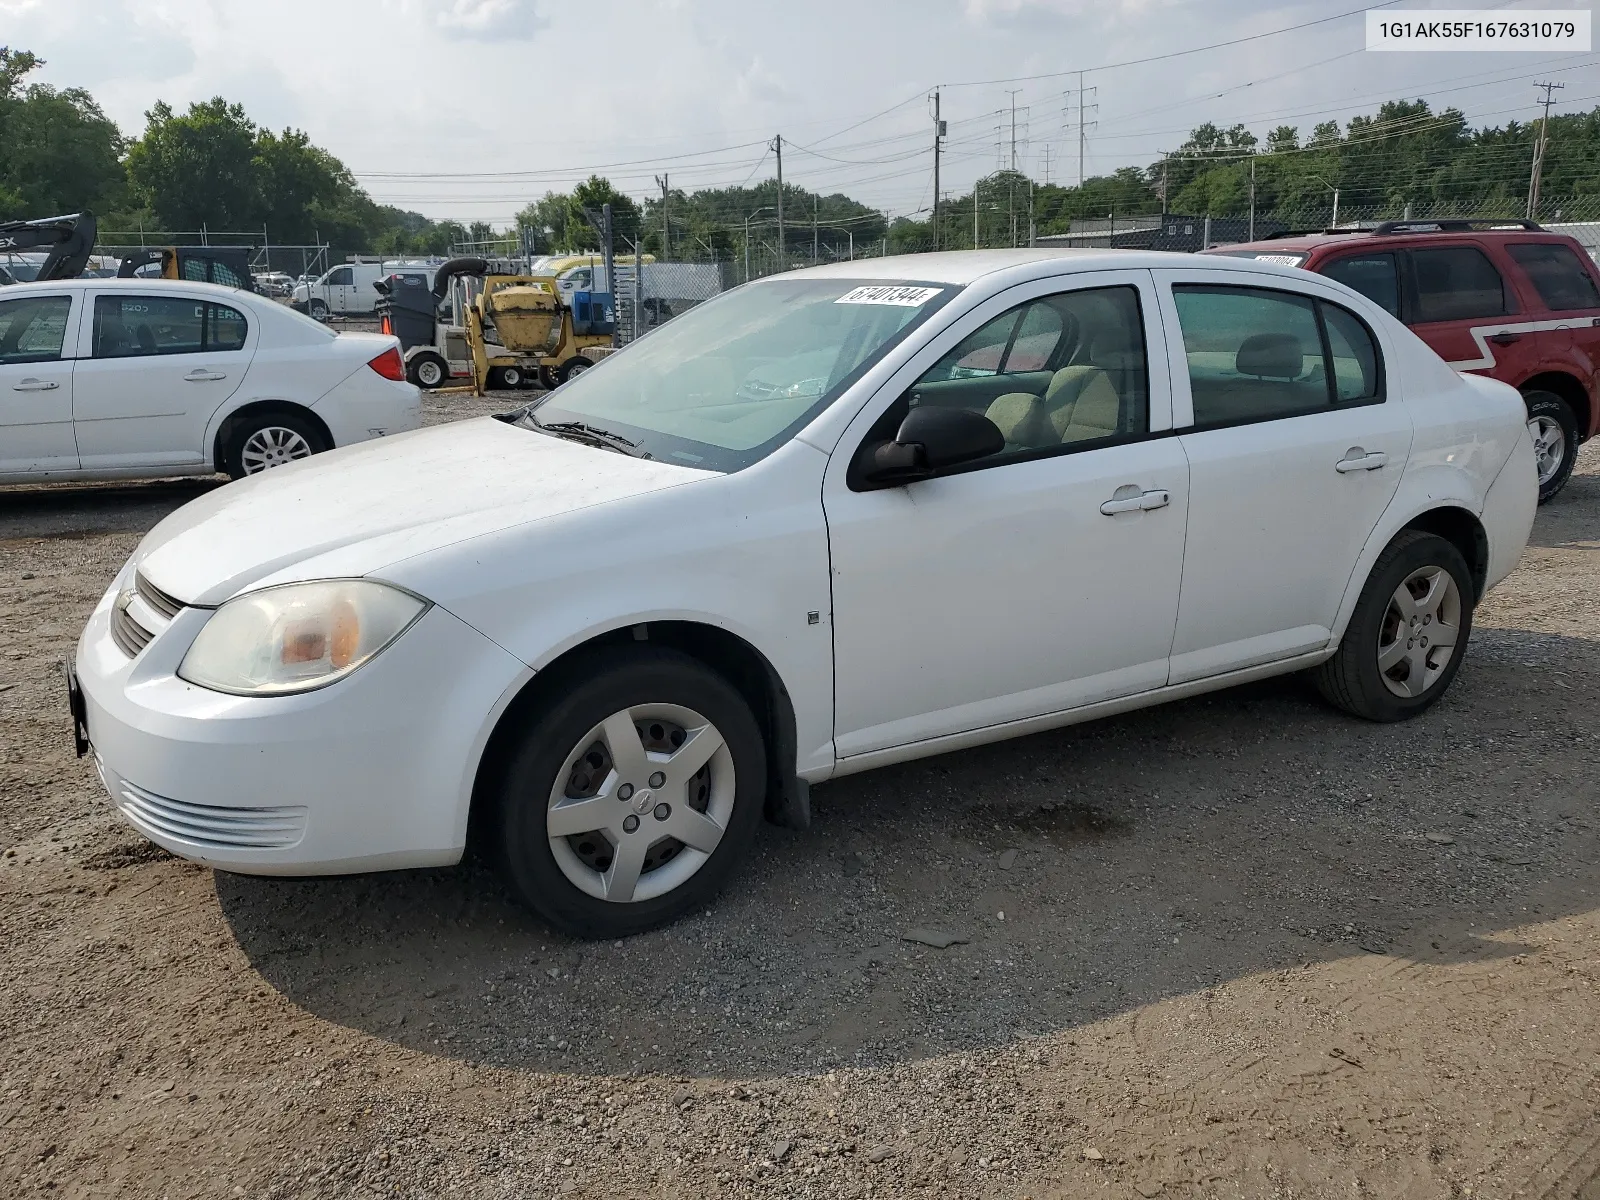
(929, 440)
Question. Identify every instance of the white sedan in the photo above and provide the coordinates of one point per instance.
(833, 520)
(139, 378)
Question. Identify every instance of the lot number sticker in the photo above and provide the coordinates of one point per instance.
(904, 297)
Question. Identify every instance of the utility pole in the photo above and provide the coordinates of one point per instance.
(1012, 92)
(937, 129)
(666, 227)
(814, 199)
(975, 214)
(1539, 147)
(777, 146)
(1252, 236)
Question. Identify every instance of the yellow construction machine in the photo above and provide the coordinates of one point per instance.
(517, 326)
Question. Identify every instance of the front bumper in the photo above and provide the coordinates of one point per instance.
(371, 773)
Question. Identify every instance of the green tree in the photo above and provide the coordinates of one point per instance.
(58, 151)
(197, 169)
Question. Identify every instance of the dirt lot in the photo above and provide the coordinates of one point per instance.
(1238, 946)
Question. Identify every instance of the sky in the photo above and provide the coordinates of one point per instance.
(471, 108)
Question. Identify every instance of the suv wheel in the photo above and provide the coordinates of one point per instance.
(1554, 431)
(631, 794)
(1407, 635)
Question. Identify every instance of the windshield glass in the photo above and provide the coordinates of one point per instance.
(733, 379)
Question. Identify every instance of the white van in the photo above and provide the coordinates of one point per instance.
(347, 290)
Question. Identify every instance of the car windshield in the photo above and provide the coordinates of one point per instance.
(728, 382)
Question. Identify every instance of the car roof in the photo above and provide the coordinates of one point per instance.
(125, 285)
(1307, 242)
(968, 266)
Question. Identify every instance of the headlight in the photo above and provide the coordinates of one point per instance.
(297, 637)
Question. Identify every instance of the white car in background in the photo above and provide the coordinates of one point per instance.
(131, 378)
(832, 520)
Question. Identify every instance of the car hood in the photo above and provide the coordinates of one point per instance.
(386, 500)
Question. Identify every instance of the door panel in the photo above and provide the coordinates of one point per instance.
(1044, 579)
(36, 385)
(1283, 497)
(155, 370)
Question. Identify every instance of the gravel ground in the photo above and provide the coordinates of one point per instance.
(1236, 946)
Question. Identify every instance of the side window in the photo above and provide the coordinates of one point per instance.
(341, 275)
(1557, 275)
(194, 270)
(225, 328)
(1051, 373)
(131, 326)
(1457, 283)
(32, 328)
(1373, 275)
(1357, 376)
(1253, 354)
(225, 275)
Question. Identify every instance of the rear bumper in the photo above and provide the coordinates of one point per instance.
(1508, 510)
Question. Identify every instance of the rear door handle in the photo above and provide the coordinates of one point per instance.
(1505, 339)
(1137, 501)
(1357, 459)
(201, 375)
(35, 385)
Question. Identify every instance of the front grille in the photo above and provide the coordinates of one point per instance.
(209, 825)
(130, 636)
(164, 604)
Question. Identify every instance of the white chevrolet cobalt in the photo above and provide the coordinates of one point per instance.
(130, 378)
(831, 520)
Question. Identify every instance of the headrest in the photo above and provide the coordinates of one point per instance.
(1275, 355)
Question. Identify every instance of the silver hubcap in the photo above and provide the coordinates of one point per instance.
(641, 802)
(272, 447)
(512, 377)
(1419, 632)
(1549, 446)
(429, 374)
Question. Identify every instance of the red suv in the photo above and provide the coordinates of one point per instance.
(1505, 299)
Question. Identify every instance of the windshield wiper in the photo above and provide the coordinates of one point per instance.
(591, 435)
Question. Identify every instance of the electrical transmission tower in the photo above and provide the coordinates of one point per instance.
(1077, 107)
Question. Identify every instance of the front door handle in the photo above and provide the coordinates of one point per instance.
(1357, 459)
(201, 375)
(35, 385)
(1129, 499)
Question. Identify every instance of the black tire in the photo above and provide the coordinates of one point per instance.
(512, 377)
(573, 366)
(1549, 407)
(547, 379)
(587, 692)
(246, 428)
(428, 371)
(1351, 679)
(317, 310)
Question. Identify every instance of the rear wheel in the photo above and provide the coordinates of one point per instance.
(1408, 633)
(428, 371)
(632, 794)
(1554, 430)
(266, 440)
(512, 377)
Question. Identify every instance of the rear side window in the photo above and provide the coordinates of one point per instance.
(1257, 355)
(1457, 283)
(1373, 275)
(140, 326)
(1557, 275)
(32, 328)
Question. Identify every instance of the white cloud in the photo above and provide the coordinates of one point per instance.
(485, 20)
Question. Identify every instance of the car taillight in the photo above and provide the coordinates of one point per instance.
(388, 365)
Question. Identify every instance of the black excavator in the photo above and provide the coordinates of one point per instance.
(69, 241)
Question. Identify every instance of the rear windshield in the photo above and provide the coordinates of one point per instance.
(1557, 274)
(1284, 258)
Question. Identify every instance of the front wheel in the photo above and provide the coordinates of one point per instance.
(1554, 430)
(318, 311)
(631, 794)
(1408, 633)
